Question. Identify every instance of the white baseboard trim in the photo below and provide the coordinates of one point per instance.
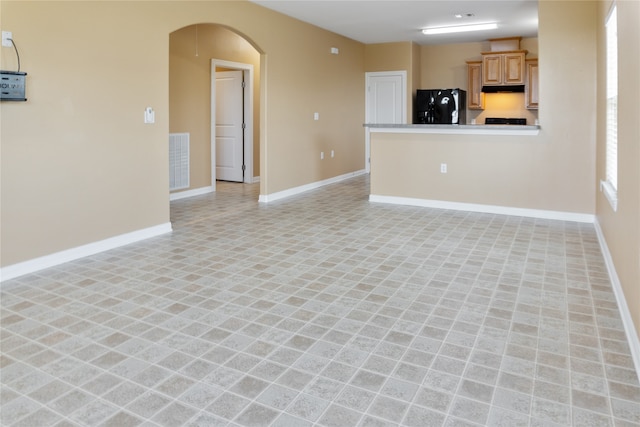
(304, 188)
(36, 264)
(471, 207)
(190, 193)
(625, 314)
(255, 180)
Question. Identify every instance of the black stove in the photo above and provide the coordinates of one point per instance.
(504, 121)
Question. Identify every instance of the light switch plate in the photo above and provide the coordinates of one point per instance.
(149, 115)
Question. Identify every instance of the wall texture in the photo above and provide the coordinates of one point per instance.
(79, 165)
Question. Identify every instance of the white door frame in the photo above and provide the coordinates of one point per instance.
(247, 70)
(367, 113)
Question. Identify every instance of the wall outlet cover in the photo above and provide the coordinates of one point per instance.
(6, 39)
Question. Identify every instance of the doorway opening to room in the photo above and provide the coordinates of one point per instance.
(201, 59)
(231, 121)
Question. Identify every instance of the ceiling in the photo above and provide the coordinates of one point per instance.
(381, 21)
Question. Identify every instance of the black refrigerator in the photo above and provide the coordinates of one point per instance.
(441, 106)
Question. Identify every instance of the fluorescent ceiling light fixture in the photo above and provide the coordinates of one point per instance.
(460, 28)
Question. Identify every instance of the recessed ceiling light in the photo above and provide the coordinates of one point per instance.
(464, 15)
(460, 28)
(458, 15)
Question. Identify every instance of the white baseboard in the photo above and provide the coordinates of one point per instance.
(625, 314)
(31, 266)
(200, 191)
(190, 193)
(471, 207)
(304, 188)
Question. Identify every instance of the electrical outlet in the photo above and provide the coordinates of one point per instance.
(316, 116)
(322, 155)
(443, 168)
(332, 154)
(6, 38)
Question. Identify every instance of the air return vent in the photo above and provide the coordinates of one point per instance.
(178, 161)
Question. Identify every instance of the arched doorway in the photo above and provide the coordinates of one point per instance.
(191, 50)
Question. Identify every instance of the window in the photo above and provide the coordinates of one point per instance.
(610, 185)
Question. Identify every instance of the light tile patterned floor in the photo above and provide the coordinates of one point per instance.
(323, 310)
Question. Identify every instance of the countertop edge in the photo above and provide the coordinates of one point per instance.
(454, 129)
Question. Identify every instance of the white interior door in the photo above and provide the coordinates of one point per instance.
(386, 102)
(229, 126)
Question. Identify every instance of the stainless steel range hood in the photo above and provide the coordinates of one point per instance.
(503, 88)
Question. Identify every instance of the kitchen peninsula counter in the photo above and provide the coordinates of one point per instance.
(469, 167)
(455, 129)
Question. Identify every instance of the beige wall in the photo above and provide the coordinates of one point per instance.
(79, 165)
(190, 90)
(621, 229)
(388, 57)
(303, 77)
(444, 66)
(416, 81)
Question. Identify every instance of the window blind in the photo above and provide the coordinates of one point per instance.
(611, 183)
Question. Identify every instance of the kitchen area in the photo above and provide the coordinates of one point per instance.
(502, 82)
(500, 87)
(482, 155)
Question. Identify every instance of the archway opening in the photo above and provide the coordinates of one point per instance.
(191, 50)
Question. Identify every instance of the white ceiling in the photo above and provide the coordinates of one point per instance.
(380, 21)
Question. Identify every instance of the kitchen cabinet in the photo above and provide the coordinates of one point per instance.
(475, 96)
(531, 84)
(503, 68)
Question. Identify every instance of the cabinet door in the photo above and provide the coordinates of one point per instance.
(513, 68)
(531, 86)
(492, 69)
(475, 98)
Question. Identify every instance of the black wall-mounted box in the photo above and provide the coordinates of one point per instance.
(12, 84)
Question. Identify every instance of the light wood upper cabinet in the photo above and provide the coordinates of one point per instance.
(531, 85)
(514, 68)
(475, 96)
(492, 67)
(503, 68)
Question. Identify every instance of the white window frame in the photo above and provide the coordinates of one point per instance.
(610, 184)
